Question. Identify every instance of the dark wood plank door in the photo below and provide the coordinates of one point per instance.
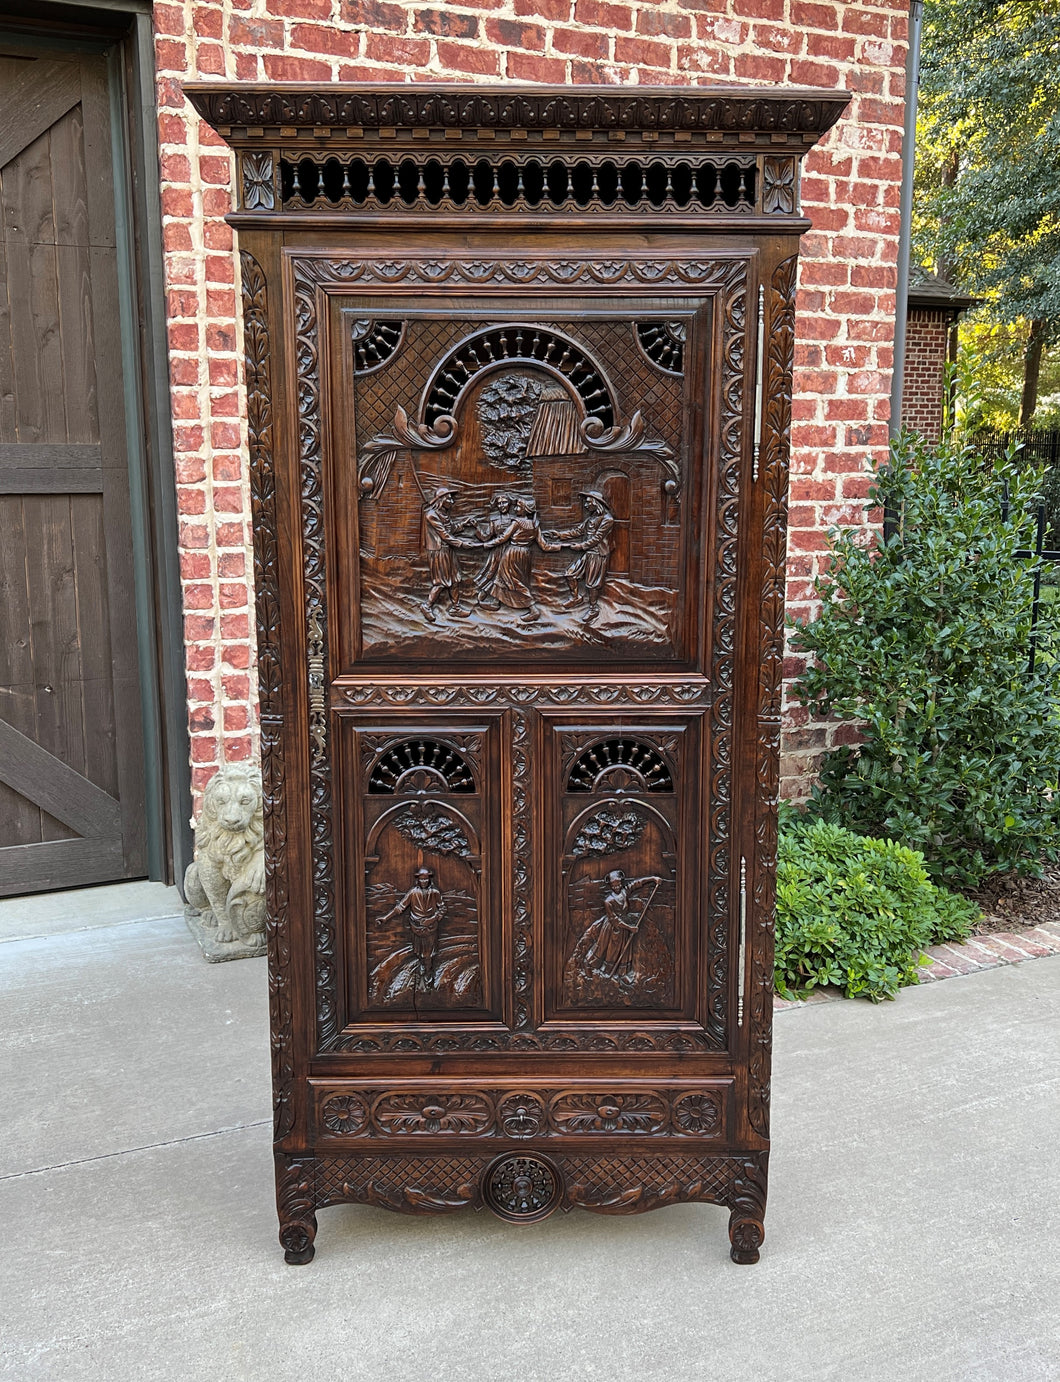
(71, 748)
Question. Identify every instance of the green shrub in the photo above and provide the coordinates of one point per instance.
(925, 639)
(856, 912)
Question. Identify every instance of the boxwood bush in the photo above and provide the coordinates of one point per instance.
(856, 912)
(924, 641)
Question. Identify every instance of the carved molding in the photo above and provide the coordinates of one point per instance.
(307, 357)
(489, 693)
(492, 1113)
(774, 482)
(270, 683)
(611, 109)
(726, 508)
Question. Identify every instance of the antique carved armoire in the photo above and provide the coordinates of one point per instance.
(519, 374)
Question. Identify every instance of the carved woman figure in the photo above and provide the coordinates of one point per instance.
(489, 527)
(426, 911)
(610, 952)
(511, 585)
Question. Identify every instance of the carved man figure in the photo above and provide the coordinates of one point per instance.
(442, 540)
(426, 910)
(592, 540)
(611, 951)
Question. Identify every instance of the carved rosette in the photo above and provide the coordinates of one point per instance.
(698, 1114)
(345, 1115)
(774, 482)
(522, 1189)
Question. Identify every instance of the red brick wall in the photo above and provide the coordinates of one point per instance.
(926, 340)
(846, 296)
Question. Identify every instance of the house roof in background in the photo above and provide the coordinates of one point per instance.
(932, 290)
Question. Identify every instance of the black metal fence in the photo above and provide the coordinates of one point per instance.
(1043, 448)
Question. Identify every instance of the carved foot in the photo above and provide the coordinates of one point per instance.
(531, 615)
(460, 612)
(295, 1205)
(428, 613)
(297, 1242)
(746, 1237)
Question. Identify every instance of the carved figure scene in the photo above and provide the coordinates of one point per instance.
(620, 916)
(225, 885)
(514, 505)
(423, 878)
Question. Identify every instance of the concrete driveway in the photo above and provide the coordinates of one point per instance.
(913, 1222)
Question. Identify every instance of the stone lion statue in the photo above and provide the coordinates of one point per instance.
(226, 883)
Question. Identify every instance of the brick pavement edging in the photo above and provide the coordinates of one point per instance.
(980, 952)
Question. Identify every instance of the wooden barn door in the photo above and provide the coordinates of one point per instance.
(71, 749)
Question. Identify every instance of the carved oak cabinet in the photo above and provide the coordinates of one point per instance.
(519, 374)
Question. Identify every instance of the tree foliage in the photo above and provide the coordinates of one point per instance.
(987, 208)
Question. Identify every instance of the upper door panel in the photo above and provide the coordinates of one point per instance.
(522, 479)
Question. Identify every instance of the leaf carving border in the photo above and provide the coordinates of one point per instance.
(270, 683)
(774, 481)
(728, 277)
(699, 109)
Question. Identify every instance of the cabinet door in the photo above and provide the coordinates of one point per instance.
(529, 503)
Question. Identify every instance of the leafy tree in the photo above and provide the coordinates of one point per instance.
(988, 161)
